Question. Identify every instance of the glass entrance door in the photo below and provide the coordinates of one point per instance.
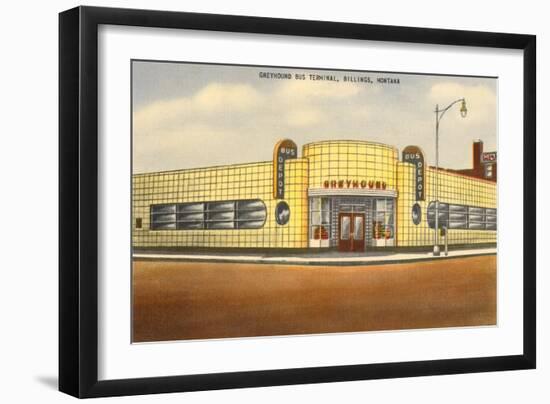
(351, 232)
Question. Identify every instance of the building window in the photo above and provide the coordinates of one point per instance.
(190, 216)
(416, 214)
(251, 214)
(163, 217)
(139, 223)
(382, 219)
(462, 217)
(319, 218)
(282, 213)
(216, 215)
(490, 219)
(488, 170)
(220, 215)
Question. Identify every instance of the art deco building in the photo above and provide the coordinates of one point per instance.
(351, 196)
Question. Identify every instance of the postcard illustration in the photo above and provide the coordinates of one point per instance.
(273, 201)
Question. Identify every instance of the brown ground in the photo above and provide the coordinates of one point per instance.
(188, 300)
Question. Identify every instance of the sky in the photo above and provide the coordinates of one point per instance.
(188, 115)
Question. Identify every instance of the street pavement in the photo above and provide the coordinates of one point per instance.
(314, 258)
(175, 299)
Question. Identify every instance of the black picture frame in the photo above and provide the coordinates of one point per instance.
(78, 201)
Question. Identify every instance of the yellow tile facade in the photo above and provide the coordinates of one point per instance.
(453, 189)
(350, 160)
(223, 183)
(341, 172)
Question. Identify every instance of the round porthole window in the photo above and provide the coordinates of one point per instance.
(416, 214)
(282, 213)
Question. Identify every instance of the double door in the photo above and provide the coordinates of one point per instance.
(351, 232)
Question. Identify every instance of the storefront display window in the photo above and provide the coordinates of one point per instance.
(383, 222)
(320, 219)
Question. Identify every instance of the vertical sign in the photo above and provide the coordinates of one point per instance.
(414, 156)
(284, 150)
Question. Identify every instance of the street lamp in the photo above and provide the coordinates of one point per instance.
(438, 115)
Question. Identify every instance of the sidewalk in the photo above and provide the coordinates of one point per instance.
(328, 258)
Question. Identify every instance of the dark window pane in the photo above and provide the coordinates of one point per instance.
(458, 225)
(458, 209)
(251, 224)
(164, 218)
(458, 217)
(190, 217)
(220, 206)
(251, 215)
(476, 211)
(163, 226)
(157, 209)
(220, 225)
(221, 215)
(252, 204)
(477, 218)
(190, 207)
(190, 225)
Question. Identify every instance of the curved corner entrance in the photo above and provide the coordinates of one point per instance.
(351, 223)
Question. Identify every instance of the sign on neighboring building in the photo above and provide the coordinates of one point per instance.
(489, 157)
(284, 150)
(414, 156)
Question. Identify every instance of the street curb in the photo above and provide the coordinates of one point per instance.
(313, 262)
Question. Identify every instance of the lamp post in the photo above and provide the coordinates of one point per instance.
(438, 115)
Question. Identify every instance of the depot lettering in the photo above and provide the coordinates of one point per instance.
(284, 150)
(414, 156)
(364, 184)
